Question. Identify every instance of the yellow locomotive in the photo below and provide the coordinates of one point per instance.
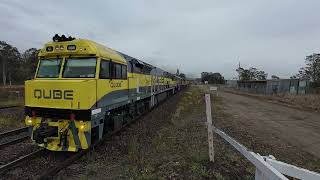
(83, 90)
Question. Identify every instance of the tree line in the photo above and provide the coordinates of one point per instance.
(311, 71)
(251, 74)
(16, 67)
(212, 78)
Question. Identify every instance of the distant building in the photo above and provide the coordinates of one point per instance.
(271, 86)
(232, 83)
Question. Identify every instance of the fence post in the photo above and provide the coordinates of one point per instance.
(210, 129)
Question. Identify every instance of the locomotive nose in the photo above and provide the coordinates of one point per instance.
(43, 132)
(60, 94)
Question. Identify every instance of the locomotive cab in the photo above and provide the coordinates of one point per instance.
(61, 101)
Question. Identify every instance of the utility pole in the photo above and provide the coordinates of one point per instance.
(239, 70)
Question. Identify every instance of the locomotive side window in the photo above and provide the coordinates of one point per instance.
(130, 67)
(137, 68)
(118, 71)
(49, 68)
(112, 70)
(105, 69)
(124, 72)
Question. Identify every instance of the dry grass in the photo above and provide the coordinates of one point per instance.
(11, 96)
(177, 150)
(306, 101)
(8, 97)
(11, 120)
(170, 143)
(309, 102)
(11, 102)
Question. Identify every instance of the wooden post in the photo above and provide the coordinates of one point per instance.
(210, 129)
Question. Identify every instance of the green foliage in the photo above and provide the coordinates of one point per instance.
(200, 170)
(311, 70)
(183, 76)
(16, 67)
(29, 62)
(251, 74)
(212, 78)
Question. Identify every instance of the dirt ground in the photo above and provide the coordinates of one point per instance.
(289, 134)
(308, 102)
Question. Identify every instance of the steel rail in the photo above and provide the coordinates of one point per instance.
(13, 132)
(21, 159)
(14, 141)
(8, 107)
(54, 170)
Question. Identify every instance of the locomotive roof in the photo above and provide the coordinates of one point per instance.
(83, 47)
(142, 63)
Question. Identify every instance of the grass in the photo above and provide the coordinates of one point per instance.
(304, 102)
(176, 149)
(11, 120)
(11, 102)
(11, 96)
(307, 101)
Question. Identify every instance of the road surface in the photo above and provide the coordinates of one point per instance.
(270, 128)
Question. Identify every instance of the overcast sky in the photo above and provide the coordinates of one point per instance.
(194, 36)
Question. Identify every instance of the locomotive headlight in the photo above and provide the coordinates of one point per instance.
(83, 126)
(29, 122)
(71, 47)
(61, 47)
(49, 49)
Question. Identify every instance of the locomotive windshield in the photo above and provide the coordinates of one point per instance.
(80, 68)
(49, 68)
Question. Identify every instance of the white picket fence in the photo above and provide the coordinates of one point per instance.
(267, 167)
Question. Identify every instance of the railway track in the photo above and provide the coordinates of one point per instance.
(13, 137)
(21, 134)
(20, 160)
(50, 173)
(8, 107)
(53, 170)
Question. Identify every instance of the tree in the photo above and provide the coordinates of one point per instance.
(261, 75)
(251, 74)
(10, 59)
(15, 68)
(183, 76)
(312, 69)
(30, 62)
(274, 77)
(240, 71)
(212, 78)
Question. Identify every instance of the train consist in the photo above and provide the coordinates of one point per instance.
(83, 90)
